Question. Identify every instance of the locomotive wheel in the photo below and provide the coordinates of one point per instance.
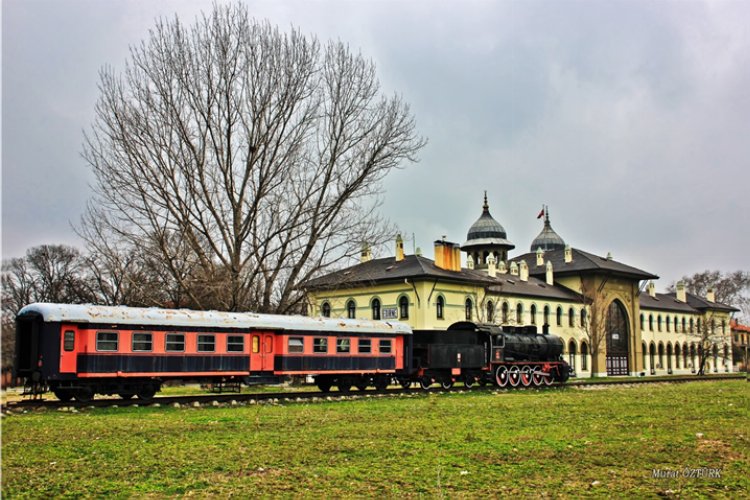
(63, 395)
(323, 385)
(547, 379)
(83, 395)
(126, 395)
(405, 383)
(501, 376)
(362, 386)
(514, 376)
(425, 383)
(537, 378)
(344, 387)
(468, 381)
(146, 393)
(446, 384)
(526, 375)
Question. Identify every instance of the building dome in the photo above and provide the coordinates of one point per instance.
(548, 239)
(487, 237)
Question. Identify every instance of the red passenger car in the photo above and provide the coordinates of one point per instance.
(78, 351)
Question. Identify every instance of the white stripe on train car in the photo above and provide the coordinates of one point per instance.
(121, 315)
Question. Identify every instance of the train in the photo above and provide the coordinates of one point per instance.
(80, 351)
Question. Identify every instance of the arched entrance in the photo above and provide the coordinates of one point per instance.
(618, 333)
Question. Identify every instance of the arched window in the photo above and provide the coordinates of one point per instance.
(571, 317)
(668, 321)
(559, 316)
(643, 321)
(716, 357)
(351, 309)
(669, 356)
(683, 324)
(532, 314)
(658, 322)
(572, 354)
(677, 356)
(325, 310)
(519, 314)
(375, 308)
(723, 327)
(692, 326)
(698, 325)
(440, 307)
(661, 356)
(685, 355)
(546, 315)
(676, 324)
(644, 351)
(692, 356)
(491, 311)
(469, 306)
(584, 356)
(583, 317)
(403, 308)
(651, 322)
(726, 357)
(505, 312)
(652, 357)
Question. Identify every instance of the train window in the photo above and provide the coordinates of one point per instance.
(296, 344)
(142, 342)
(385, 347)
(69, 340)
(320, 345)
(365, 346)
(106, 341)
(175, 342)
(206, 343)
(343, 345)
(235, 343)
(256, 344)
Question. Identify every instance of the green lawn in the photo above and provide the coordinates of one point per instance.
(600, 442)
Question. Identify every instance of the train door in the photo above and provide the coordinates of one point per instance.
(261, 352)
(68, 351)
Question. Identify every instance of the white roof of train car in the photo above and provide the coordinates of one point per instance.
(121, 315)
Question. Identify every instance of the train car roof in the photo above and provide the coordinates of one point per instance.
(121, 315)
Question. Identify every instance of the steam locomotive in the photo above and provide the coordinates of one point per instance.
(78, 351)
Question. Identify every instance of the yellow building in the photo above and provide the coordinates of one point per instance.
(596, 304)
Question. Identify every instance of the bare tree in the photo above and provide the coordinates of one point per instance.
(593, 323)
(260, 152)
(708, 336)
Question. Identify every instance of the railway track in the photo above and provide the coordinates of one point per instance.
(278, 397)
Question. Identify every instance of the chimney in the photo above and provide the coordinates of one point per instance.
(399, 248)
(524, 271)
(651, 289)
(609, 255)
(711, 295)
(513, 269)
(550, 276)
(366, 255)
(447, 255)
(502, 267)
(491, 271)
(568, 254)
(470, 261)
(539, 257)
(418, 252)
(681, 294)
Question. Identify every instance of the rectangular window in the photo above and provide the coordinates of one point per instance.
(296, 345)
(235, 343)
(256, 344)
(175, 342)
(320, 345)
(106, 341)
(385, 347)
(206, 343)
(69, 340)
(343, 345)
(365, 346)
(142, 342)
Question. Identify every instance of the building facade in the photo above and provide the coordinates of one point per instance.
(610, 324)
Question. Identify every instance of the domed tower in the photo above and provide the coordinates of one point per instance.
(548, 239)
(487, 238)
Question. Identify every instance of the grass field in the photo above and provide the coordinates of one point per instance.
(601, 442)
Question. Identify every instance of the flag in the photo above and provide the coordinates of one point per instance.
(541, 214)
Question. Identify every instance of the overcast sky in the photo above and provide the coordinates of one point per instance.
(631, 120)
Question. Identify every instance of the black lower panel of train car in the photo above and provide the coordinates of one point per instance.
(91, 363)
(323, 364)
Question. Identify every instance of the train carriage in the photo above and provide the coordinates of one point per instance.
(78, 351)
